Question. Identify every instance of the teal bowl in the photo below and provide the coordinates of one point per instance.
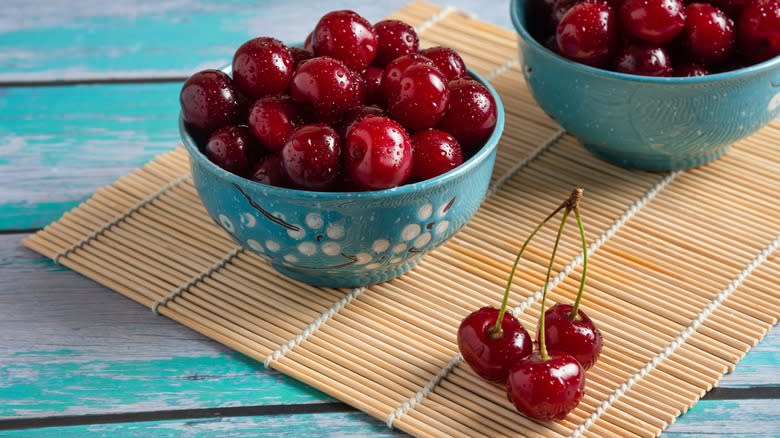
(345, 239)
(646, 122)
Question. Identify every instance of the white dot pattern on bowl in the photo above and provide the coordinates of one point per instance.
(401, 247)
(307, 248)
(335, 231)
(372, 266)
(331, 248)
(255, 245)
(411, 231)
(226, 223)
(248, 220)
(272, 245)
(395, 260)
(291, 258)
(362, 258)
(774, 103)
(380, 245)
(314, 221)
(297, 234)
(423, 240)
(425, 212)
(443, 209)
(441, 227)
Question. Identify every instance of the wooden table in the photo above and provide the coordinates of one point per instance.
(88, 91)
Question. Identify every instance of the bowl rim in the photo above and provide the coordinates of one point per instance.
(482, 154)
(761, 67)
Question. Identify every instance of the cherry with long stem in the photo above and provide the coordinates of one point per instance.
(542, 344)
(576, 306)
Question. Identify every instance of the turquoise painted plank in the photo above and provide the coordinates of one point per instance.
(340, 424)
(57, 40)
(727, 418)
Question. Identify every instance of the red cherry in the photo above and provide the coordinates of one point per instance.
(472, 115)
(209, 101)
(273, 119)
(644, 59)
(378, 154)
(732, 8)
(708, 36)
(435, 152)
(653, 21)
(232, 148)
(539, 20)
(492, 356)
(690, 70)
(546, 389)
(759, 30)
(587, 33)
(262, 67)
(355, 115)
(312, 156)
(391, 77)
(308, 43)
(578, 337)
(447, 61)
(299, 55)
(373, 79)
(346, 36)
(560, 8)
(394, 38)
(269, 170)
(422, 98)
(327, 85)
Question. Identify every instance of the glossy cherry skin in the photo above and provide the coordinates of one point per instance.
(262, 67)
(346, 36)
(447, 61)
(273, 119)
(546, 389)
(644, 59)
(708, 36)
(394, 38)
(299, 55)
(653, 21)
(372, 76)
(587, 33)
(690, 70)
(328, 86)
(577, 337)
(233, 149)
(354, 116)
(312, 156)
(391, 77)
(435, 152)
(269, 170)
(209, 101)
(758, 32)
(472, 115)
(422, 98)
(378, 154)
(492, 358)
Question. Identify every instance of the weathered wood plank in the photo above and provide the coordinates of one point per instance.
(754, 418)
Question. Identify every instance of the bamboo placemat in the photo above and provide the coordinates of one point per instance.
(682, 278)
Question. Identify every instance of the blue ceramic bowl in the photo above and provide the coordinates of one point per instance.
(345, 239)
(645, 122)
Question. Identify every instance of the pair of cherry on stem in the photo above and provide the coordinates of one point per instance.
(548, 383)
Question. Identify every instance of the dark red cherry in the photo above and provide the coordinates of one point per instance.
(546, 389)
(394, 38)
(299, 55)
(732, 8)
(708, 36)
(472, 115)
(328, 86)
(273, 119)
(355, 115)
(308, 43)
(346, 36)
(578, 337)
(377, 154)
(435, 152)
(690, 70)
(560, 8)
(490, 355)
(447, 61)
(391, 77)
(373, 79)
(233, 149)
(587, 33)
(209, 101)
(422, 98)
(269, 170)
(644, 59)
(262, 67)
(653, 21)
(758, 32)
(312, 156)
(539, 21)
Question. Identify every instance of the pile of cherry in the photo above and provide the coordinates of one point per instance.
(659, 37)
(359, 107)
(547, 383)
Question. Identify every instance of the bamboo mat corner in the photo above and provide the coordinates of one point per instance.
(675, 292)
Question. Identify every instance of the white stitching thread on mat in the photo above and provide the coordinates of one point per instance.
(619, 222)
(502, 68)
(144, 202)
(196, 279)
(311, 328)
(435, 18)
(680, 340)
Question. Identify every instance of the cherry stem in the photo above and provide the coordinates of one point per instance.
(496, 331)
(542, 343)
(575, 308)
